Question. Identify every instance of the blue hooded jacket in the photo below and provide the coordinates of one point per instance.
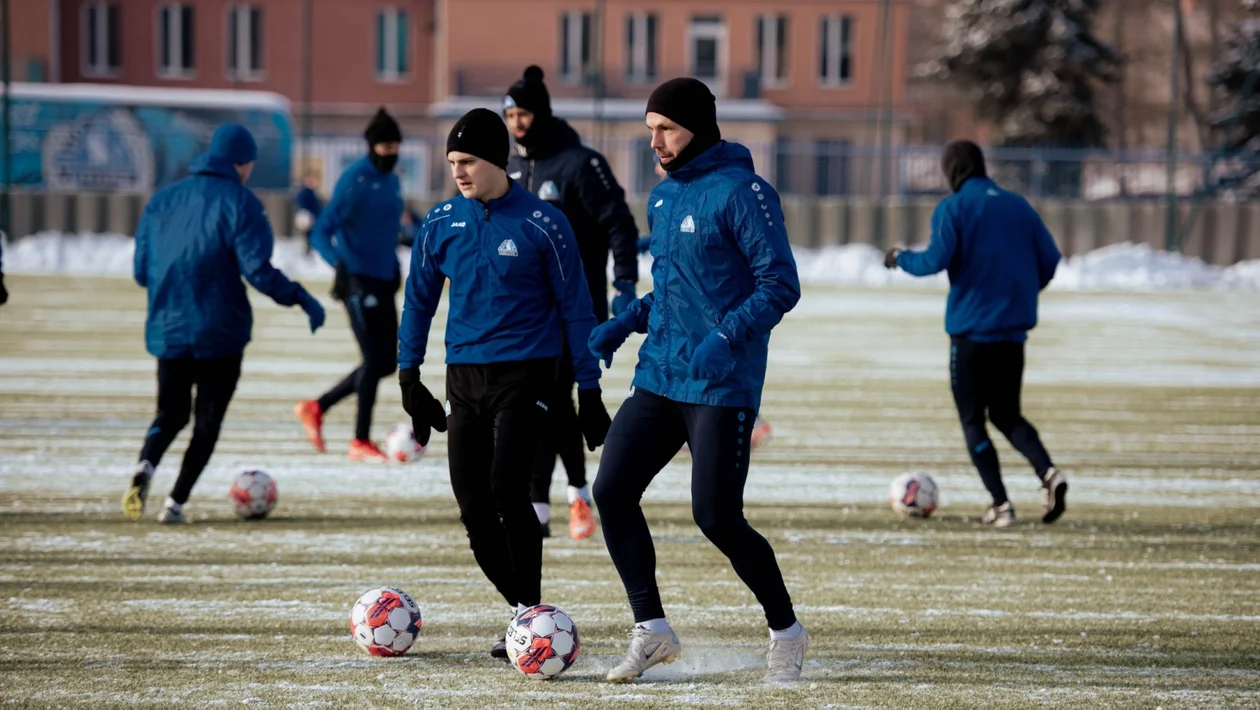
(196, 239)
(999, 256)
(517, 286)
(359, 225)
(721, 261)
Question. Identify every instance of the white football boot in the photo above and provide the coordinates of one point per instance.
(1000, 516)
(786, 657)
(646, 650)
(1054, 495)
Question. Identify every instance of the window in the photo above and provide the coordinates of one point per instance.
(772, 57)
(645, 177)
(836, 53)
(102, 46)
(831, 167)
(575, 45)
(175, 40)
(707, 45)
(244, 52)
(641, 47)
(391, 44)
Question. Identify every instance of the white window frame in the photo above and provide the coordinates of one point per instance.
(90, 67)
(176, 29)
(834, 23)
(637, 54)
(573, 41)
(390, 72)
(770, 68)
(241, 14)
(717, 32)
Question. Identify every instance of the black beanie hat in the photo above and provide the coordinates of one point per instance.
(962, 161)
(529, 93)
(480, 132)
(690, 104)
(382, 129)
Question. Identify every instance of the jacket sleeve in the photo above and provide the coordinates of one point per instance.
(253, 243)
(756, 219)
(333, 218)
(603, 199)
(1048, 255)
(568, 286)
(420, 300)
(140, 261)
(940, 251)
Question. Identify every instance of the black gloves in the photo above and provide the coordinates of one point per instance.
(592, 417)
(341, 283)
(890, 257)
(4, 292)
(425, 409)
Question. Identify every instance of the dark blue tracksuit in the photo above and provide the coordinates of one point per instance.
(999, 256)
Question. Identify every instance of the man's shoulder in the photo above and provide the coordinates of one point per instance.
(444, 210)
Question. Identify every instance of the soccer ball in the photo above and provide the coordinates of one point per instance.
(401, 444)
(761, 434)
(542, 642)
(253, 495)
(913, 494)
(385, 621)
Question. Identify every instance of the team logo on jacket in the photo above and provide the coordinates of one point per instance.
(516, 175)
(549, 191)
(688, 224)
(508, 248)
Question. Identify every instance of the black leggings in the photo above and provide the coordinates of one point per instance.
(492, 437)
(215, 380)
(562, 435)
(986, 379)
(374, 319)
(646, 433)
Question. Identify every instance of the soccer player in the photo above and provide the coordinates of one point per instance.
(357, 233)
(196, 239)
(999, 257)
(4, 292)
(551, 162)
(308, 206)
(723, 277)
(516, 293)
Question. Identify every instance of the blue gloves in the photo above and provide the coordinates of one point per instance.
(314, 311)
(712, 358)
(644, 243)
(625, 296)
(606, 338)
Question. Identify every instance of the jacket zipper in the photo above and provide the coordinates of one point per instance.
(673, 253)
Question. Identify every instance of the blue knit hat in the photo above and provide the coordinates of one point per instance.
(233, 142)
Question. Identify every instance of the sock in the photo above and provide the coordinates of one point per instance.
(170, 503)
(790, 632)
(543, 511)
(655, 626)
(584, 493)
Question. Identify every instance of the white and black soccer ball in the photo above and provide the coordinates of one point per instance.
(913, 494)
(542, 642)
(401, 444)
(303, 220)
(385, 621)
(253, 494)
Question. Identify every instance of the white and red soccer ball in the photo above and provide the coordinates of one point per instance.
(913, 494)
(401, 444)
(385, 621)
(542, 642)
(253, 494)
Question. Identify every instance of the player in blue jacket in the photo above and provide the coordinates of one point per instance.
(4, 292)
(723, 276)
(307, 206)
(999, 257)
(517, 291)
(357, 234)
(196, 239)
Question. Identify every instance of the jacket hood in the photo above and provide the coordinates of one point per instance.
(206, 164)
(724, 153)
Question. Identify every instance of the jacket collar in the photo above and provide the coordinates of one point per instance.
(206, 164)
(724, 153)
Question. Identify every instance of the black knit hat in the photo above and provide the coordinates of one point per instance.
(962, 161)
(382, 129)
(690, 104)
(480, 132)
(529, 93)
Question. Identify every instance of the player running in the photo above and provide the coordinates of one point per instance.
(196, 239)
(516, 293)
(723, 277)
(999, 257)
(357, 233)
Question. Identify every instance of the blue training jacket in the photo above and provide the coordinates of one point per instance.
(517, 286)
(721, 261)
(359, 225)
(999, 256)
(196, 239)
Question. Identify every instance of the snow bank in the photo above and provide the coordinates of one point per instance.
(1119, 267)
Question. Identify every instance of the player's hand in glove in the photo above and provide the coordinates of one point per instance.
(644, 244)
(606, 338)
(593, 417)
(425, 410)
(712, 358)
(890, 258)
(314, 311)
(341, 283)
(4, 292)
(625, 296)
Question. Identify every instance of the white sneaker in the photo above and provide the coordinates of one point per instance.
(646, 650)
(1000, 516)
(786, 657)
(172, 516)
(1054, 495)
